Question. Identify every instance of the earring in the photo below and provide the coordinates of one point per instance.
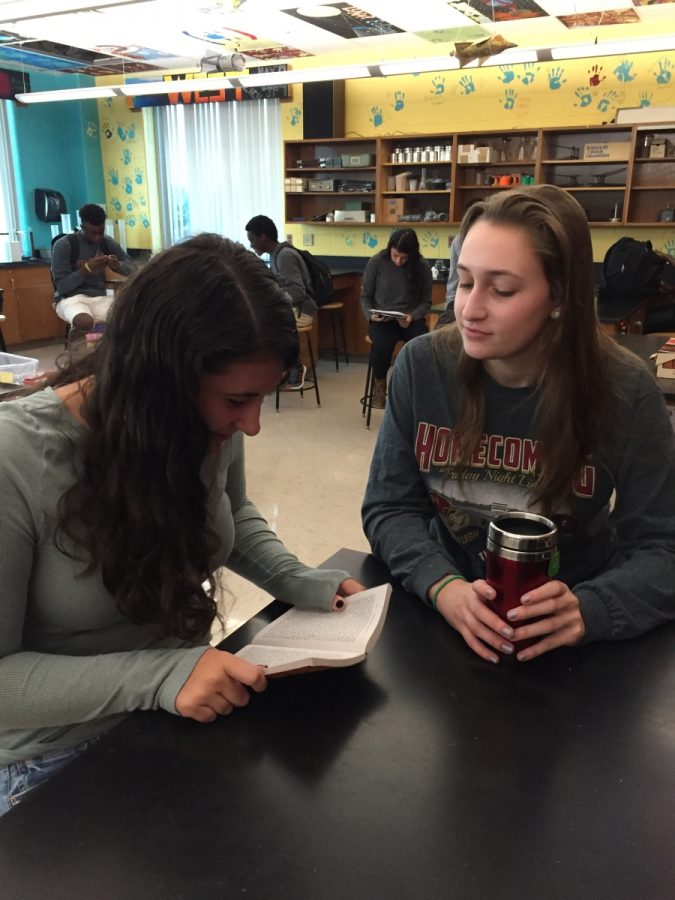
(556, 313)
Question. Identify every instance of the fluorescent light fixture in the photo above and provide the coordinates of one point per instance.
(88, 93)
(430, 64)
(145, 88)
(614, 48)
(301, 76)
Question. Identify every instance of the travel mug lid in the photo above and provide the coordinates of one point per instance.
(521, 531)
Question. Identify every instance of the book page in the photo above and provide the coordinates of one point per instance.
(348, 630)
(261, 655)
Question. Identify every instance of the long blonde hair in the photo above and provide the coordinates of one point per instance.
(574, 386)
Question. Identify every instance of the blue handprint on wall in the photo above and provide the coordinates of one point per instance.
(663, 74)
(138, 175)
(376, 116)
(126, 157)
(121, 134)
(399, 101)
(529, 73)
(130, 206)
(467, 85)
(646, 98)
(623, 72)
(669, 247)
(128, 186)
(349, 240)
(369, 239)
(585, 99)
(607, 98)
(429, 239)
(116, 205)
(142, 201)
(507, 75)
(145, 222)
(91, 129)
(555, 78)
(131, 132)
(114, 177)
(296, 114)
(509, 100)
(438, 85)
(131, 222)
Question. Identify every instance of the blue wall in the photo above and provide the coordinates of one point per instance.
(56, 145)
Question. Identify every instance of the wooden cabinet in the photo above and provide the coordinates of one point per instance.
(620, 174)
(29, 296)
(323, 175)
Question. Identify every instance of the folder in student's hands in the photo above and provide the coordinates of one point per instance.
(305, 639)
(389, 313)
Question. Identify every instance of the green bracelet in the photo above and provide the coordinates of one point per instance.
(434, 596)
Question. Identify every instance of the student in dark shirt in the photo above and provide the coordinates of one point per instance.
(396, 279)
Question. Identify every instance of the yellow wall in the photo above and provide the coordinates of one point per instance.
(574, 92)
(125, 170)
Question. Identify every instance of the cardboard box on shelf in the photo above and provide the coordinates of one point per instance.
(464, 152)
(295, 185)
(659, 149)
(483, 155)
(392, 209)
(607, 150)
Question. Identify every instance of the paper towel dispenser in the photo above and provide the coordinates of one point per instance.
(49, 205)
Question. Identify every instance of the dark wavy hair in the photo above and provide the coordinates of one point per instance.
(405, 241)
(574, 391)
(138, 509)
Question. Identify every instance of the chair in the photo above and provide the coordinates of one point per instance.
(3, 345)
(335, 310)
(367, 399)
(314, 386)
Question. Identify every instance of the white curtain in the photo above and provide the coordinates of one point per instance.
(9, 212)
(219, 164)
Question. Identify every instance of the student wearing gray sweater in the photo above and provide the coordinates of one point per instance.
(122, 490)
(524, 404)
(397, 279)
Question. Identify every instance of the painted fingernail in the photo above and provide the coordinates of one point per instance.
(511, 615)
(494, 659)
(508, 632)
(523, 657)
(506, 648)
(339, 604)
(525, 599)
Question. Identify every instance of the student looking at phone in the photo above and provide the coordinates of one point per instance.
(397, 278)
(79, 263)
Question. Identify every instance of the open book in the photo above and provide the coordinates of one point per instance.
(310, 638)
(389, 313)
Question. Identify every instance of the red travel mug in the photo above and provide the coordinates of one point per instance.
(521, 555)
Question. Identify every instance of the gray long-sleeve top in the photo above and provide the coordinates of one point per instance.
(385, 286)
(70, 663)
(292, 274)
(616, 535)
(69, 280)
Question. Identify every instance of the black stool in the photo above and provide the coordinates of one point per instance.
(307, 331)
(367, 399)
(335, 310)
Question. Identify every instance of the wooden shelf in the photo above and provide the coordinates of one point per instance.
(333, 169)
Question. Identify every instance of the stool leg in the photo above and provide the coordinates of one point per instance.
(3, 345)
(364, 399)
(335, 344)
(278, 399)
(344, 341)
(313, 368)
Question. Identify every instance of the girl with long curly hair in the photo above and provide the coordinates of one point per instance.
(122, 490)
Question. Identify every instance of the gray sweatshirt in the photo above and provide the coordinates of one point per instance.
(385, 286)
(69, 280)
(70, 663)
(616, 534)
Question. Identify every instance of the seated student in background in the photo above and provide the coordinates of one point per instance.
(524, 404)
(81, 297)
(122, 490)
(293, 275)
(397, 278)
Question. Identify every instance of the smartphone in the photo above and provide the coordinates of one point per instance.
(389, 313)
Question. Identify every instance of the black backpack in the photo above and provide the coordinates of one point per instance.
(320, 276)
(631, 269)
